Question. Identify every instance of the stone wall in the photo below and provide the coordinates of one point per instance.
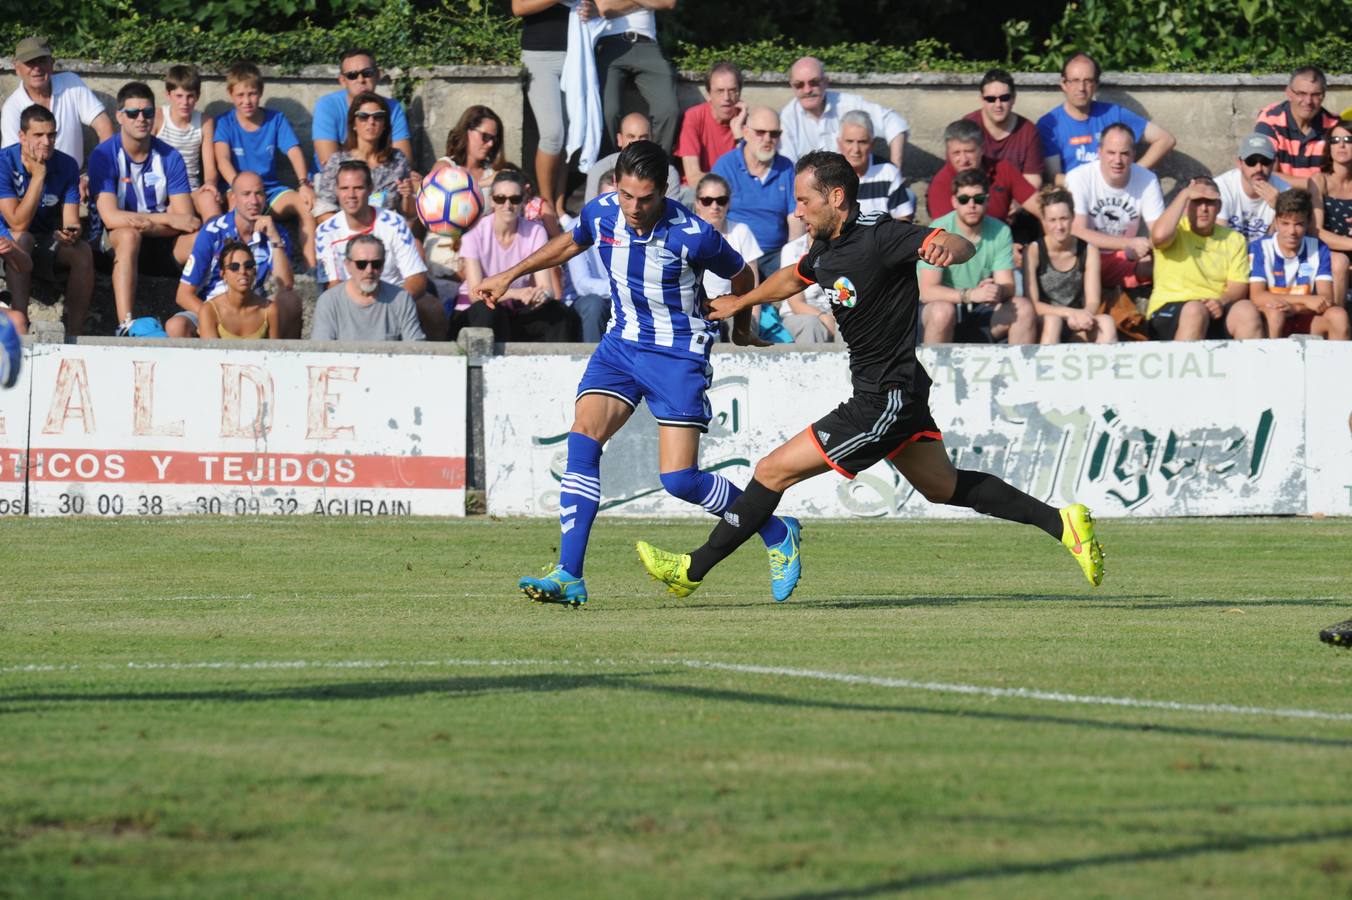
(1207, 113)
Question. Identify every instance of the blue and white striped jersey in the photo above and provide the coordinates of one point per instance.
(655, 291)
(203, 268)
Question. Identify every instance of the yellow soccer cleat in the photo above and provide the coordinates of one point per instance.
(1077, 534)
(668, 568)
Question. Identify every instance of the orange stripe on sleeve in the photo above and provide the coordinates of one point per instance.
(798, 270)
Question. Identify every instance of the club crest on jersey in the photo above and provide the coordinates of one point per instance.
(843, 293)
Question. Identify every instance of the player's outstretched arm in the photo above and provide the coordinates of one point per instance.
(946, 249)
(558, 251)
(779, 286)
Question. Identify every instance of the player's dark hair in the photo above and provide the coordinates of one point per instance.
(134, 90)
(723, 66)
(185, 78)
(970, 178)
(230, 247)
(1080, 54)
(645, 161)
(35, 113)
(356, 51)
(355, 165)
(993, 76)
(1118, 126)
(1314, 73)
(963, 131)
(1294, 201)
(830, 170)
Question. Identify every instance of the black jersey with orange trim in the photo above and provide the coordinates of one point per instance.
(868, 273)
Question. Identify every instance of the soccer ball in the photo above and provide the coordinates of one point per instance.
(449, 202)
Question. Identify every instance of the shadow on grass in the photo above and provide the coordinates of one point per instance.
(1231, 844)
(349, 690)
(902, 601)
(730, 696)
(558, 683)
(1341, 603)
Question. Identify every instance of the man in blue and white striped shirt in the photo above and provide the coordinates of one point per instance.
(655, 252)
(140, 201)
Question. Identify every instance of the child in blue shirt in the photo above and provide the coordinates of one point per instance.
(247, 140)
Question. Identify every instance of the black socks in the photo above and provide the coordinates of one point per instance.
(990, 496)
(739, 523)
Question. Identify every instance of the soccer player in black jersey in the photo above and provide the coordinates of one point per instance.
(866, 266)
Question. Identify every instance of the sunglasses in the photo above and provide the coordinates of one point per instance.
(771, 132)
(364, 264)
(964, 199)
(1252, 161)
(360, 73)
(236, 266)
(1341, 139)
(378, 115)
(486, 136)
(997, 98)
(712, 201)
(141, 112)
(513, 199)
(810, 83)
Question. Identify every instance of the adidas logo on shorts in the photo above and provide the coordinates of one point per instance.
(825, 436)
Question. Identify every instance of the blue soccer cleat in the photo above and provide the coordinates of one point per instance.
(557, 585)
(786, 566)
(11, 352)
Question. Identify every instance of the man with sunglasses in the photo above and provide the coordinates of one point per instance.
(973, 301)
(762, 186)
(812, 118)
(64, 93)
(634, 127)
(656, 351)
(1006, 135)
(363, 307)
(271, 246)
(358, 74)
(40, 201)
(403, 266)
(1249, 190)
(1071, 132)
(141, 209)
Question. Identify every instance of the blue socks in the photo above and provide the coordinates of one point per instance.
(579, 499)
(715, 493)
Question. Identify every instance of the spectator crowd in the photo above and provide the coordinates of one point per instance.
(1074, 238)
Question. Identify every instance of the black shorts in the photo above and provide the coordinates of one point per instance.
(156, 257)
(45, 248)
(1163, 324)
(974, 325)
(870, 427)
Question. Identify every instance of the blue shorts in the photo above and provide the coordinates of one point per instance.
(674, 385)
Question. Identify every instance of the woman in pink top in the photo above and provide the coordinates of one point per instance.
(529, 311)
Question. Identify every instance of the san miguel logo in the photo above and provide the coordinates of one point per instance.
(843, 293)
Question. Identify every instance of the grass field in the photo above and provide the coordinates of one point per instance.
(365, 708)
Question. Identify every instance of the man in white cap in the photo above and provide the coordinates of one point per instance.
(64, 93)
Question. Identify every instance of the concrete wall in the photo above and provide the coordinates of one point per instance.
(1207, 113)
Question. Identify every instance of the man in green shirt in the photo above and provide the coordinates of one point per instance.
(974, 302)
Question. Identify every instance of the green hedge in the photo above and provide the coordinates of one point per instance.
(1143, 35)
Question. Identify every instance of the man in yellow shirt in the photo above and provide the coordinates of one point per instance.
(1201, 272)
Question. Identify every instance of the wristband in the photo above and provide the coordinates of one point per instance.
(932, 237)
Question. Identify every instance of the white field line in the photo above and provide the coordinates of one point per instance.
(935, 687)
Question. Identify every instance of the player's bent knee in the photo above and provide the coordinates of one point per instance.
(683, 484)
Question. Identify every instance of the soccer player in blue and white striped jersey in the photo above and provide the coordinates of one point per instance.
(655, 252)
